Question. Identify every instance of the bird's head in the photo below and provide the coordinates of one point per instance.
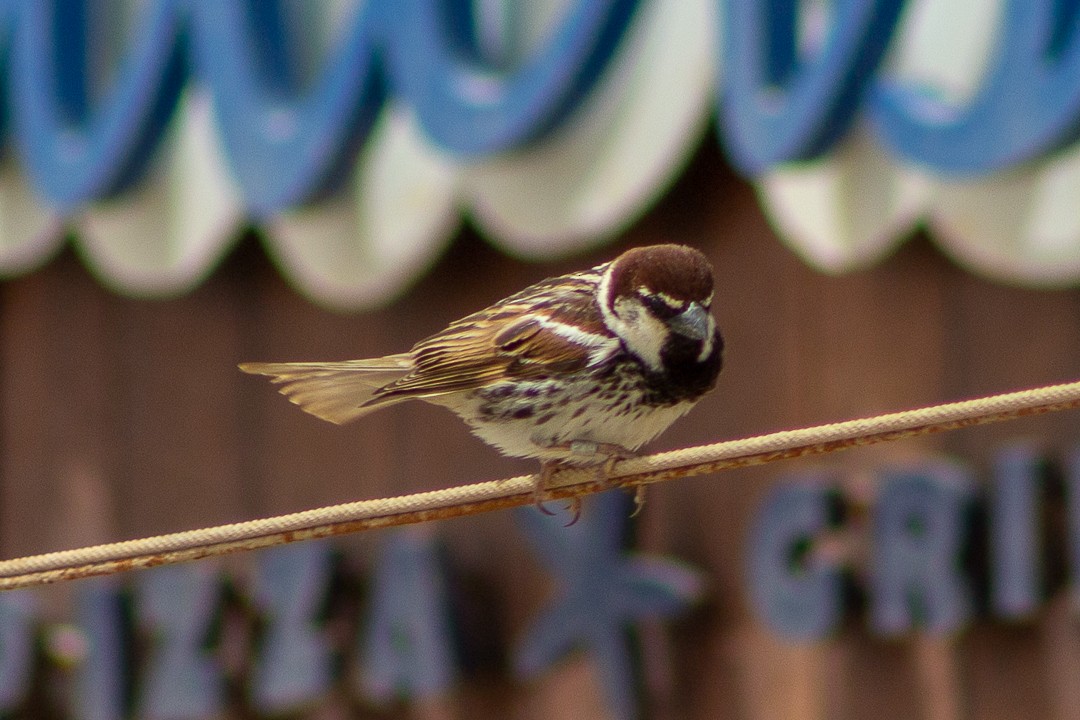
(657, 300)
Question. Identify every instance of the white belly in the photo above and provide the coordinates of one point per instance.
(548, 433)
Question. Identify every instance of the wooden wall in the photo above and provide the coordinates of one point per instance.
(123, 417)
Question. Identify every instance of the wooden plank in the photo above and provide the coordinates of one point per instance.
(1004, 671)
(295, 461)
(1059, 644)
(941, 688)
(872, 344)
(176, 400)
(794, 680)
(59, 445)
(1007, 338)
(57, 414)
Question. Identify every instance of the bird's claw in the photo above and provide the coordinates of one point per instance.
(639, 500)
(547, 471)
(574, 508)
(611, 455)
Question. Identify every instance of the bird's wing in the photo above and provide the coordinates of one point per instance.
(334, 391)
(549, 328)
(519, 339)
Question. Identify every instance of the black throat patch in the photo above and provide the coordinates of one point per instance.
(683, 376)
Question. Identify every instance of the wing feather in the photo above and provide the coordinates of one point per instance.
(519, 339)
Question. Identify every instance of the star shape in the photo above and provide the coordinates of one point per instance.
(604, 592)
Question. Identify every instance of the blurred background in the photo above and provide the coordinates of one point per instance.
(887, 191)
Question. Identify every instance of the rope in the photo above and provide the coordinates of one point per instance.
(496, 494)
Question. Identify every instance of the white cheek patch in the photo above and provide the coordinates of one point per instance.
(643, 334)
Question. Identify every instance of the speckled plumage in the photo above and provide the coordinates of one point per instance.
(605, 358)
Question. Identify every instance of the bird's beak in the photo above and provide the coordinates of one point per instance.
(694, 323)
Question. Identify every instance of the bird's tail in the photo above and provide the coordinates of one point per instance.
(334, 391)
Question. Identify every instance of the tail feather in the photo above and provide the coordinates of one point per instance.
(334, 391)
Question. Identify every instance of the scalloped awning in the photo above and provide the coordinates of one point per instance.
(356, 134)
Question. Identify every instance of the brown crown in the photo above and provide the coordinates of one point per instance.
(680, 272)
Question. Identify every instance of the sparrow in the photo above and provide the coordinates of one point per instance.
(577, 370)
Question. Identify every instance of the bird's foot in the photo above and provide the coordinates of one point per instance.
(548, 469)
(583, 453)
(587, 452)
(603, 456)
(612, 455)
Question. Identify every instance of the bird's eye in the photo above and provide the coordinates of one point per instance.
(658, 307)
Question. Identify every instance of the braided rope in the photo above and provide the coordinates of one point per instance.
(495, 494)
